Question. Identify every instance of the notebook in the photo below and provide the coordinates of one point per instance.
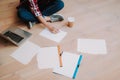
(71, 63)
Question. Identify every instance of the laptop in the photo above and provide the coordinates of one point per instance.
(15, 35)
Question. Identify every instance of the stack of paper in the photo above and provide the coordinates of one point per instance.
(92, 46)
(71, 64)
(55, 37)
(25, 52)
(48, 57)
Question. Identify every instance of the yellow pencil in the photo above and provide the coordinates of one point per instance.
(60, 55)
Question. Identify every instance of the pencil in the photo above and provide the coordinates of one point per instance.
(60, 55)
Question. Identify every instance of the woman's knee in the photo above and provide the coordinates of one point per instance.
(25, 15)
(60, 4)
(21, 13)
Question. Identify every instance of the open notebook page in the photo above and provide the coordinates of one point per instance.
(48, 58)
(25, 52)
(54, 37)
(92, 46)
(69, 64)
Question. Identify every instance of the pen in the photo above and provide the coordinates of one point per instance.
(77, 67)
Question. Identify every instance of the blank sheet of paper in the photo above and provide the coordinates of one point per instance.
(69, 64)
(55, 37)
(92, 46)
(48, 58)
(25, 52)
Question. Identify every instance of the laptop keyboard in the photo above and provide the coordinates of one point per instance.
(13, 36)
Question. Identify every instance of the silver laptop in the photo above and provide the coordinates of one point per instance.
(15, 35)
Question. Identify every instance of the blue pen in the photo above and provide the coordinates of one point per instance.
(77, 67)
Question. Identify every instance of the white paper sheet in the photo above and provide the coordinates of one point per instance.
(25, 52)
(69, 64)
(55, 37)
(48, 58)
(92, 46)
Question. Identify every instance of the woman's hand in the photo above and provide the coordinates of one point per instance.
(53, 30)
(48, 25)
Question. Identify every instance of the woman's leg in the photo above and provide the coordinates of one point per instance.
(53, 7)
(26, 15)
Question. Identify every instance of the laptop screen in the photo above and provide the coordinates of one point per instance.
(13, 36)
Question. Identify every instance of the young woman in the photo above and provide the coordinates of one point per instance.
(42, 11)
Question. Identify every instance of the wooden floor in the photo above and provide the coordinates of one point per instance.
(95, 19)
